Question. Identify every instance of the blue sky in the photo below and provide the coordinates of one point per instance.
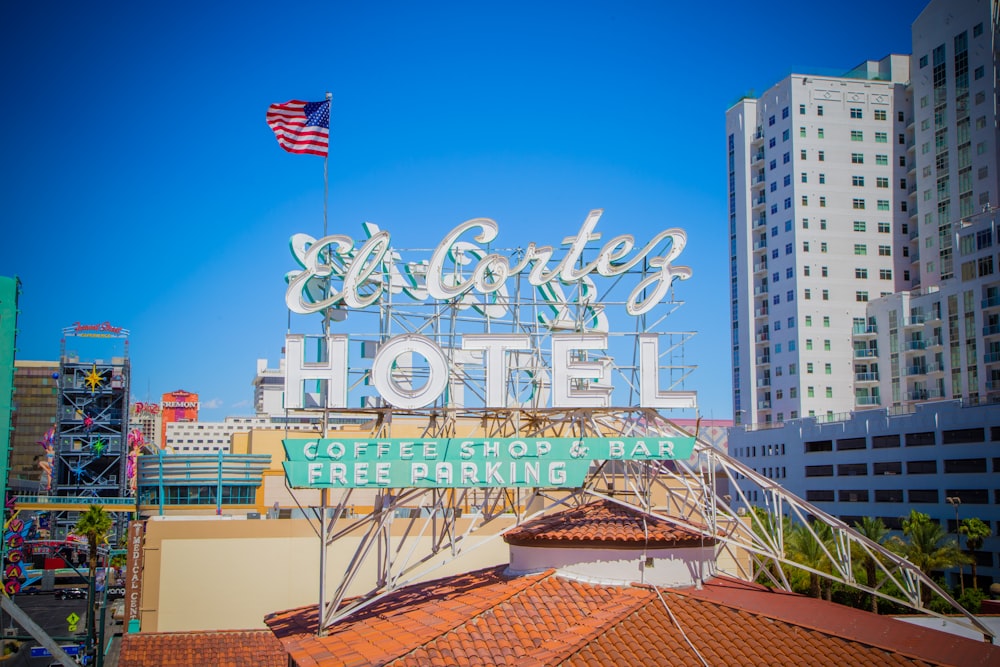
(141, 185)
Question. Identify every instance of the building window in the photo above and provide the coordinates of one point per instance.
(883, 228)
(826, 295)
(857, 158)
(885, 251)
(855, 112)
(885, 274)
(804, 177)
(809, 369)
(883, 205)
(821, 156)
(802, 154)
(882, 160)
(860, 273)
(857, 135)
(858, 204)
(880, 114)
(858, 181)
(826, 344)
(784, 112)
(861, 296)
(822, 202)
(923, 61)
(819, 133)
(822, 178)
(860, 226)
(819, 110)
(828, 370)
(881, 137)
(883, 182)
(822, 246)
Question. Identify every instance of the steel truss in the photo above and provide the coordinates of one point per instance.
(692, 494)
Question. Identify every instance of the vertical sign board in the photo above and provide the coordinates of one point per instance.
(133, 572)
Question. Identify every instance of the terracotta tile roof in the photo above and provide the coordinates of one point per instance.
(483, 618)
(236, 648)
(606, 524)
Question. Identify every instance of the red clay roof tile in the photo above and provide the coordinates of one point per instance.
(196, 649)
(545, 619)
(603, 523)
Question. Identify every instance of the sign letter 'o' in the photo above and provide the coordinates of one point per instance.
(402, 396)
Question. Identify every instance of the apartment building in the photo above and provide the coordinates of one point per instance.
(865, 294)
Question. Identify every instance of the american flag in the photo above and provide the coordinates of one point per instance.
(301, 127)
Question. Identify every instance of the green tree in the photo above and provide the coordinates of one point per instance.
(975, 531)
(803, 547)
(876, 531)
(94, 524)
(927, 547)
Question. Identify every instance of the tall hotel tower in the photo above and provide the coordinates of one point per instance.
(863, 236)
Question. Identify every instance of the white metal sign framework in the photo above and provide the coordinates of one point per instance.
(466, 341)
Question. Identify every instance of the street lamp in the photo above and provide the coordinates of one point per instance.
(954, 501)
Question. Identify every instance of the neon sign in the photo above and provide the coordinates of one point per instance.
(363, 274)
(99, 330)
(464, 462)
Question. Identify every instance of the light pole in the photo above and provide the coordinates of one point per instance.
(956, 502)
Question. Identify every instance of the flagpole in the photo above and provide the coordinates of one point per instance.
(323, 494)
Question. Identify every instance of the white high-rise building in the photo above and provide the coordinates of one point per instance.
(863, 230)
(818, 223)
(866, 326)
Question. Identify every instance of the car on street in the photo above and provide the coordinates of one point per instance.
(71, 594)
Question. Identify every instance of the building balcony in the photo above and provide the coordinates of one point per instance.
(991, 303)
(934, 342)
(757, 157)
(760, 313)
(760, 246)
(918, 395)
(915, 321)
(759, 201)
(759, 290)
(763, 405)
(764, 382)
(991, 358)
(914, 233)
(993, 385)
(764, 360)
(866, 353)
(864, 330)
(760, 222)
(991, 330)
(914, 345)
(760, 267)
(763, 336)
(933, 316)
(760, 179)
(865, 378)
(758, 135)
(916, 370)
(867, 401)
(934, 369)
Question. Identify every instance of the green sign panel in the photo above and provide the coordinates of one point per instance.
(464, 462)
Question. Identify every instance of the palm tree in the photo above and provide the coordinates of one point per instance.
(94, 524)
(975, 531)
(876, 531)
(927, 547)
(802, 547)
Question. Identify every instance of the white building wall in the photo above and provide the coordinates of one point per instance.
(823, 227)
(879, 464)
